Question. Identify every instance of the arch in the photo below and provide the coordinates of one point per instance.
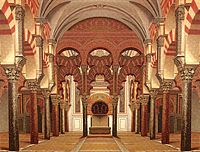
(131, 43)
(170, 43)
(99, 97)
(33, 5)
(68, 43)
(165, 6)
(193, 11)
(29, 43)
(9, 18)
(99, 43)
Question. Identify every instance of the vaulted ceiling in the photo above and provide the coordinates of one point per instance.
(136, 14)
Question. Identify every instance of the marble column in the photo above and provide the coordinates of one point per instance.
(66, 118)
(144, 119)
(33, 87)
(12, 75)
(114, 114)
(84, 103)
(55, 115)
(137, 116)
(186, 74)
(133, 118)
(152, 132)
(166, 86)
(62, 121)
(47, 122)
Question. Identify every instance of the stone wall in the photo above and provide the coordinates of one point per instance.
(195, 113)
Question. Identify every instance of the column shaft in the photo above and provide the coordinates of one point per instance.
(47, 119)
(133, 122)
(186, 116)
(152, 119)
(114, 124)
(55, 119)
(144, 120)
(34, 118)
(137, 121)
(165, 118)
(85, 131)
(62, 120)
(13, 122)
(66, 120)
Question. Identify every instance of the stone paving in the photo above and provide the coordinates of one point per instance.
(73, 142)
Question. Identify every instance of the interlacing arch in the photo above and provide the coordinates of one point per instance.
(170, 43)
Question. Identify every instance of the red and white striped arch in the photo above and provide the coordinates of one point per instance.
(29, 44)
(170, 43)
(34, 6)
(8, 20)
(166, 5)
(193, 18)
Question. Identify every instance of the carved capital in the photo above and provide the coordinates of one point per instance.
(52, 41)
(137, 104)
(160, 41)
(39, 41)
(167, 85)
(145, 99)
(32, 85)
(115, 68)
(180, 13)
(147, 41)
(55, 100)
(19, 12)
(46, 93)
(153, 93)
(40, 20)
(148, 57)
(62, 104)
(12, 72)
(187, 73)
(84, 68)
(51, 57)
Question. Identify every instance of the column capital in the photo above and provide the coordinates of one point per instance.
(145, 99)
(12, 72)
(84, 68)
(187, 73)
(32, 85)
(46, 93)
(160, 41)
(147, 41)
(180, 12)
(54, 99)
(62, 104)
(19, 12)
(115, 68)
(167, 85)
(40, 20)
(39, 41)
(52, 41)
(153, 93)
(137, 104)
